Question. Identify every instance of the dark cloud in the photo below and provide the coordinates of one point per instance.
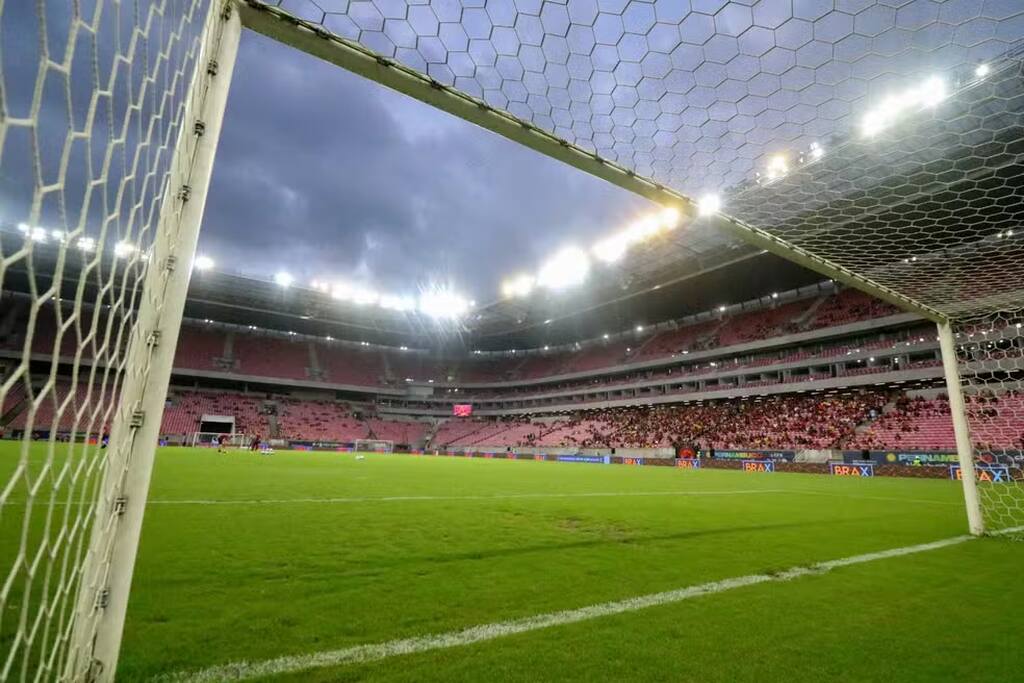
(324, 174)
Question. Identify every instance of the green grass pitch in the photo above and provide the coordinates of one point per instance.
(249, 557)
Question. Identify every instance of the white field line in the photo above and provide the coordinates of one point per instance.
(243, 670)
(496, 496)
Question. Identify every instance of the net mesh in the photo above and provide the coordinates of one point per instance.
(373, 445)
(92, 98)
(992, 367)
(881, 136)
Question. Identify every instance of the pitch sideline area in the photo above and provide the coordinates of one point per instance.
(248, 558)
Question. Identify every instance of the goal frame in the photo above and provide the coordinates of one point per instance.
(104, 590)
(235, 439)
(318, 41)
(389, 446)
(102, 600)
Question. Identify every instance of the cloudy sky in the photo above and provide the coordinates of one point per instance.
(329, 176)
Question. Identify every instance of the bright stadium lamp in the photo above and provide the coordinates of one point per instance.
(778, 166)
(643, 229)
(283, 279)
(519, 286)
(397, 303)
(982, 70)
(86, 244)
(365, 297)
(203, 263)
(708, 205)
(669, 218)
(341, 291)
(566, 268)
(123, 249)
(610, 249)
(442, 304)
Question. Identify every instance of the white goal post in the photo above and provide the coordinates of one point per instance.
(109, 121)
(373, 446)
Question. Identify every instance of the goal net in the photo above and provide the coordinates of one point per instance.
(212, 439)
(880, 147)
(373, 446)
(103, 170)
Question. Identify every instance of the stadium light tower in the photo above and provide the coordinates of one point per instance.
(283, 279)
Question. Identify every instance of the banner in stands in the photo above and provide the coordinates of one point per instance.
(902, 457)
(856, 469)
(603, 459)
(758, 465)
(462, 410)
(788, 456)
(688, 463)
(989, 473)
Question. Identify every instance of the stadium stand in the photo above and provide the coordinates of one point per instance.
(358, 367)
(184, 411)
(198, 348)
(270, 357)
(847, 306)
(925, 424)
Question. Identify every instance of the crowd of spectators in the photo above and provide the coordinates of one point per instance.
(777, 422)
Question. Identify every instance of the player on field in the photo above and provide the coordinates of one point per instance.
(255, 445)
(222, 443)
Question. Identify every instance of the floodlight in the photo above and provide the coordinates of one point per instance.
(817, 151)
(341, 291)
(709, 204)
(57, 235)
(397, 303)
(86, 244)
(669, 218)
(442, 303)
(777, 167)
(284, 279)
(611, 249)
(566, 268)
(606, 336)
(721, 309)
(365, 297)
(982, 70)
(23, 228)
(123, 249)
(203, 263)
(642, 229)
(639, 328)
(521, 285)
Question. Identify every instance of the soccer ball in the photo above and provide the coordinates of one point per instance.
(360, 457)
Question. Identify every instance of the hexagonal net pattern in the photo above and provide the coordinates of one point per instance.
(91, 104)
(992, 369)
(881, 137)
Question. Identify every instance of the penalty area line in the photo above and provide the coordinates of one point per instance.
(245, 670)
